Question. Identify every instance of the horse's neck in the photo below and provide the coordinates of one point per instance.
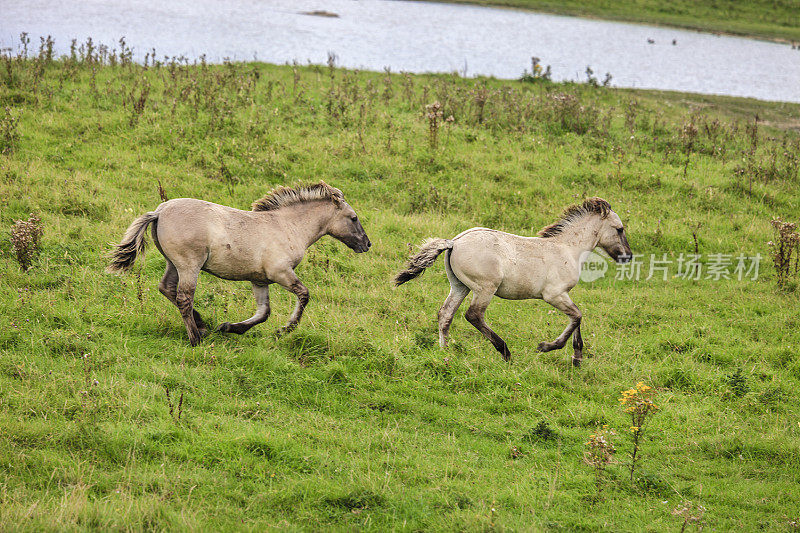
(581, 236)
(308, 221)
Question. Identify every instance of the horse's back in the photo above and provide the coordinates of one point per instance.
(191, 206)
(478, 256)
(188, 219)
(512, 265)
(227, 242)
(188, 228)
(493, 242)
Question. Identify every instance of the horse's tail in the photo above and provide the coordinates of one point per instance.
(427, 254)
(124, 254)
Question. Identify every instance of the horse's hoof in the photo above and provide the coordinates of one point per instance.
(576, 362)
(285, 330)
(224, 327)
(544, 347)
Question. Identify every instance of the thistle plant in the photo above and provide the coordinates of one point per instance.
(788, 244)
(480, 95)
(388, 89)
(638, 402)
(138, 100)
(25, 235)
(691, 514)
(598, 454)
(9, 136)
(631, 111)
(537, 73)
(688, 135)
(434, 114)
(750, 154)
(590, 78)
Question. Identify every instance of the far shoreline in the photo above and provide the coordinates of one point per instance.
(701, 26)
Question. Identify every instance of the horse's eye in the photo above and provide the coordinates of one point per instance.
(353, 218)
(619, 230)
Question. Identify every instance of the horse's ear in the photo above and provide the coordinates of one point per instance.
(337, 201)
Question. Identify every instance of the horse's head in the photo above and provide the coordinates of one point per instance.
(346, 227)
(613, 239)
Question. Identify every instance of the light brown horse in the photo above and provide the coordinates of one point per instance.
(262, 246)
(490, 262)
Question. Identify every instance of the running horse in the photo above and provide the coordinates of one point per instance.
(262, 246)
(494, 263)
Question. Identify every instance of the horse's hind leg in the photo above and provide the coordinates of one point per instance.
(475, 316)
(169, 283)
(184, 299)
(290, 282)
(563, 303)
(458, 291)
(169, 288)
(577, 347)
(261, 294)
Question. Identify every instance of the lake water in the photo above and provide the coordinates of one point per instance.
(417, 37)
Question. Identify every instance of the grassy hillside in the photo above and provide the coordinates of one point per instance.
(358, 419)
(765, 19)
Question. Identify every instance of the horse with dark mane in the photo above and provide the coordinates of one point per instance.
(490, 262)
(262, 246)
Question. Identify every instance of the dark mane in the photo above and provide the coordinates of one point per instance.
(575, 212)
(284, 196)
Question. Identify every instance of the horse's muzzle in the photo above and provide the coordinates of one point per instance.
(362, 247)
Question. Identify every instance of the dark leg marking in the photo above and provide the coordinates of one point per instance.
(299, 290)
(168, 286)
(185, 302)
(577, 347)
(475, 316)
(563, 303)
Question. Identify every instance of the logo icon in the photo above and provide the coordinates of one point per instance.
(592, 266)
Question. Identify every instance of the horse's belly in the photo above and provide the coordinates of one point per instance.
(519, 289)
(225, 266)
(236, 275)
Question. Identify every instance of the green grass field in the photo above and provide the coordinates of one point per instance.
(764, 19)
(358, 420)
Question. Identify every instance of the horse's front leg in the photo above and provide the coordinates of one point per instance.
(563, 303)
(261, 294)
(292, 283)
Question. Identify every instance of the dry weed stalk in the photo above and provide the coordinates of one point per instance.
(688, 134)
(25, 236)
(172, 413)
(9, 136)
(788, 244)
(433, 112)
(599, 454)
